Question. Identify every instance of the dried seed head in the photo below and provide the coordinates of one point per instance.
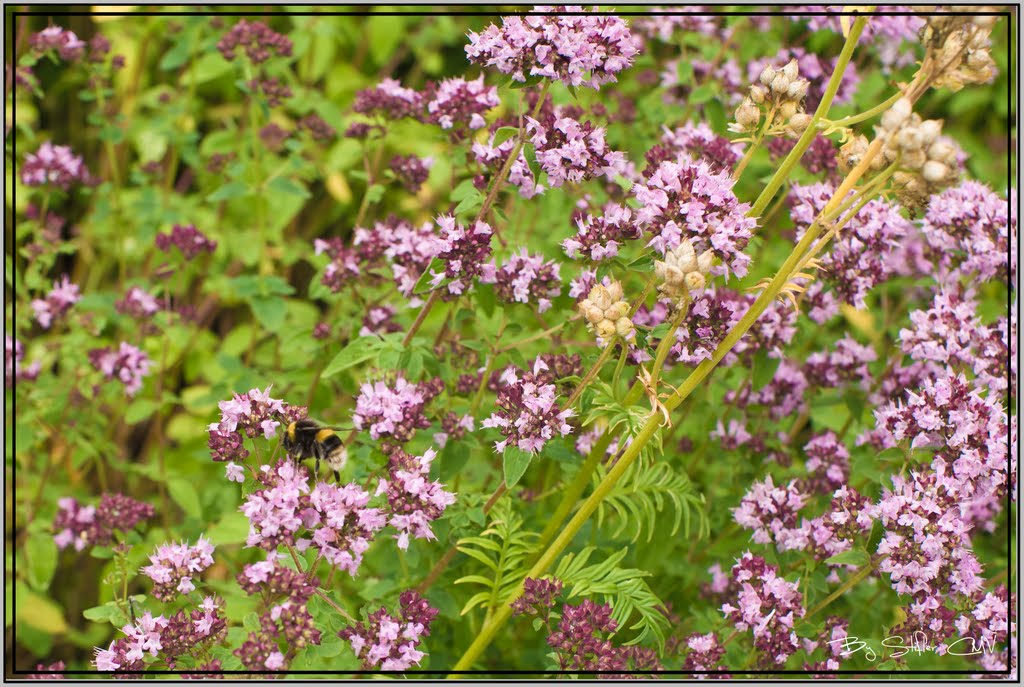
(934, 171)
(748, 115)
(767, 75)
(758, 93)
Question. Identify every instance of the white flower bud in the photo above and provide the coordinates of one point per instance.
(897, 114)
(624, 328)
(601, 297)
(914, 159)
(799, 122)
(767, 75)
(615, 291)
(930, 130)
(593, 314)
(909, 138)
(704, 261)
(787, 110)
(798, 89)
(943, 151)
(694, 281)
(758, 94)
(780, 84)
(748, 114)
(605, 329)
(934, 171)
(617, 310)
(791, 70)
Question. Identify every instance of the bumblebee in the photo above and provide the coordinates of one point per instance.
(308, 439)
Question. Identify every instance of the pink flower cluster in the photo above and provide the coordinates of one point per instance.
(527, 412)
(587, 50)
(969, 230)
(390, 641)
(863, 255)
(392, 413)
(64, 295)
(94, 525)
(256, 39)
(690, 201)
(68, 45)
(456, 105)
(414, 501)
(137, 303)
(172, 567)
(463, 253)
(342, 526)
(526, 278)
(456, 102)
(572, 152)
(142, 638)
(189, 240)
(248, 415)
(57, 165)
(695, 142)
(767, 605)
(598, 237)
(14, 353)
(126, 364)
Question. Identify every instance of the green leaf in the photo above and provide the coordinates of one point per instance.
(515, 461)
(288, 186)
(857, 557)
(423, 283)
(471, 204)
(374, 193)
(42, 560)
(140, 409)
(357, 351)
(184, 494)
(39, 612)
(502, 135)
(269, 311)
(232, 189)
(233, 528)
(108, 612)
(702, 93)
(764, 369)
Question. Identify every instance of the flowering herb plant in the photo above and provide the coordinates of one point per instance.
(560, 341)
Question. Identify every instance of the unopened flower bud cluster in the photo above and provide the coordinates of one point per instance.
(780, 92)
(960, 46)
(682, 271)
(606, 312)
(927, 161)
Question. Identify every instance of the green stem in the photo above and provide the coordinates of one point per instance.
(867, 114)
(784, 170)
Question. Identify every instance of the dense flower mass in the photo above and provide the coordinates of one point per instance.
(257, 40)
(56, 165)
(126, 363)
(598, 237)
(628, 343)
(969, 230)
(392, 412)
(588, 50)
(413, 500)
(689, 201)
(173, 566)
(64, 294)
(390, 641)
(69, 46)
(526, 278)
(83, 526)
(528, 414)
(187, 239)
(572, 152)
(767, 605)
(462, 253)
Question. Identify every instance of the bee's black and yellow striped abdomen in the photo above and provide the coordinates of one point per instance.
(307, 439)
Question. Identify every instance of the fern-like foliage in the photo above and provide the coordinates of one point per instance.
(643, 493)
(623, 588)
(502, 549)
(626, 419)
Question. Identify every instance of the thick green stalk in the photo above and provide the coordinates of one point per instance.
(782, 173)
